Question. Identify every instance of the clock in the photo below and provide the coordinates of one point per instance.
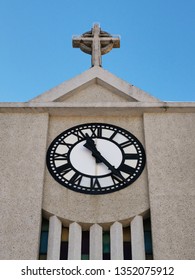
(95, 158)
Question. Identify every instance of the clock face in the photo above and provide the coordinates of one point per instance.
(95, 158)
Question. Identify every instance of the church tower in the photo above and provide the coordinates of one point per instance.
(96, 168)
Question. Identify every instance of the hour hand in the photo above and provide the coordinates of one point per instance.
(90, 145)
(99, 158)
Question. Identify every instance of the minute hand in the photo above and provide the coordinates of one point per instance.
(100, 158)
(90, 144)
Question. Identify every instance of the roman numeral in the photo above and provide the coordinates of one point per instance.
(95, 184)
(76, 178)
(114, 134)
(58, 156)
(63, 169)
(99, 132)
(69, 145)
(126, 144)
(79, 134)
(96, 132)
(131, 156)
(126, 168)
(116, 179)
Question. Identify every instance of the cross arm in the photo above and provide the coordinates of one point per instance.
(76, 41)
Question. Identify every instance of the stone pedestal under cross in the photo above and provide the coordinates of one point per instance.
(96, 43)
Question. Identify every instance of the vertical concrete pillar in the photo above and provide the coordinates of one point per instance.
(116, 241)
(54, 238)
(74, 242)
(95, 243)
(137, 238)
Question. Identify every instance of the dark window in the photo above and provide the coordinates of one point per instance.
(127, 243)
(106, 245)
(85, 245)
(148, 239)
(64, 244)
(44, 239)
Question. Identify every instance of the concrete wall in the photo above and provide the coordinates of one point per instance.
(22, 158)
(167, 184)
(170, 150)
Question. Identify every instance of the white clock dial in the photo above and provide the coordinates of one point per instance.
(86, 164)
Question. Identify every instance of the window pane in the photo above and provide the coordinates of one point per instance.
(85, 245)
(64, 250)
(44, 239)
(106, 245)
(148, 239)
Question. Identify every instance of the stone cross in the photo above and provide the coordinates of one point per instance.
(96, 43)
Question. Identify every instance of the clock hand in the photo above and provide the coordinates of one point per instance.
(90, 144)
(99, 158)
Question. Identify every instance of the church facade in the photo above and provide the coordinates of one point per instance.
(96, 168)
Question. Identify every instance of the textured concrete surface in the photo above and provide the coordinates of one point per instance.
(116, 241)
(97, 75)
(54, 238)
(22, 156)
(96, 248)
(137, 238)
(74, 242)
(170, 149)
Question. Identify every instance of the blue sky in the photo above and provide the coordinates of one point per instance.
(157, 51)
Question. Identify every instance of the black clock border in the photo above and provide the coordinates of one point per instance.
(108, 189)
